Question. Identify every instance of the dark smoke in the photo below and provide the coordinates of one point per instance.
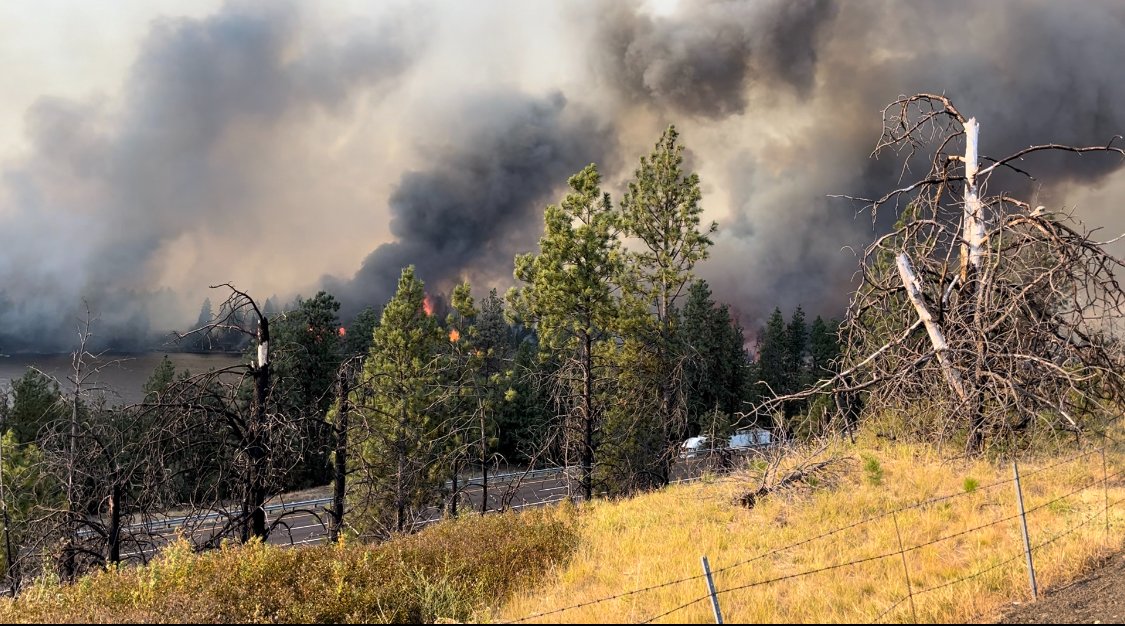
(704, 61)
(778, 101)
(477, 204)
(800, 86)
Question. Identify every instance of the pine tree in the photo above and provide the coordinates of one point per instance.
(662, 211)
(358, 334)
(774, 356)
(400, 430)
(824, 348)
(569, 295)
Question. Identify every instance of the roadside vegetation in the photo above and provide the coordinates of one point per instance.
(506, 567)
(447, 571)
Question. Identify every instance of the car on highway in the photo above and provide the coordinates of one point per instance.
(750, 439)
(698, 446)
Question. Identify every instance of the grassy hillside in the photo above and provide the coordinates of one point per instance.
(660, 537)
(508, 567)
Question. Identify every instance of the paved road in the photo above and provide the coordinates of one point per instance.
(303, 522)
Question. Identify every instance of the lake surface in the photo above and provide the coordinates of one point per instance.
(123, 375)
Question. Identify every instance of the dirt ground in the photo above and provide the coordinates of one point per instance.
(1096, 598)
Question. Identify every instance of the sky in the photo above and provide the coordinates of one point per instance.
(150, 149)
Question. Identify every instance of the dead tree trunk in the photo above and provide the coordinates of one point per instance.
(339, 487)
(257, 470)
(113, 535)
(914, 292)
(971, 276)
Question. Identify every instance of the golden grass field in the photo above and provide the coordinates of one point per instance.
(660, 537)
(507, 567)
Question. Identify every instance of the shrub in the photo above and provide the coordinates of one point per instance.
(873, 470)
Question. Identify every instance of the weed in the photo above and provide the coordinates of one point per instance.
(873, 470)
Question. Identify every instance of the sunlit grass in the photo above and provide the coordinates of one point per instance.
(660, 537)
(507, 567)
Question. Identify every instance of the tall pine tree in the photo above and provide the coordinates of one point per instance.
(569, 295)
(401, 429)
(661, 211)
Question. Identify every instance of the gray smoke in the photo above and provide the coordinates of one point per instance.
(191, 149)
(435, 136)
(703, 62)
(787, 95)
(474, 207)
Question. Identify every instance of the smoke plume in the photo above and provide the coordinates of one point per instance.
(289, 151)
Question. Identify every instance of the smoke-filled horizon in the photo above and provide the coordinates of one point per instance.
(287, 150)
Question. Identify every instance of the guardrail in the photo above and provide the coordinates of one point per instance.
(169, 523)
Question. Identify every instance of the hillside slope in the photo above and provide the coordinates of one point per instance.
(823, 550)
(829, 552)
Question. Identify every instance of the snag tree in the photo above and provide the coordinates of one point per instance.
(980, 315)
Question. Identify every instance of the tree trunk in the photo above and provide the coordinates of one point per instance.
(914, 292)
(73, 506)
(483, 461)
(972, 254)
(400, 470)
(255, 500)
(113, 552)
(453, 498)
(341, 461)
(588, 409)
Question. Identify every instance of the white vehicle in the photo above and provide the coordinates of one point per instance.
(749, 438)
(696, 446)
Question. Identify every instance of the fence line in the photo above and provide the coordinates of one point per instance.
(1006, 561)
(868, 520)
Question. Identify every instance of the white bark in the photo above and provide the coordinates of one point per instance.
(972, 251)
(913, 285)
(263, 353)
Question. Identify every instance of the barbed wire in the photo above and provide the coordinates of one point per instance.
(835, 531)
(1037, 546)
(886, 555)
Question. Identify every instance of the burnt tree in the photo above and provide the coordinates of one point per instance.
(980, 315)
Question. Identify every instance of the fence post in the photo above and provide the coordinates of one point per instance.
(905, 570)
(1026, 539)
(1105, 492)
(711, 590)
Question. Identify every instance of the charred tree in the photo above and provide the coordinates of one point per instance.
(980, 316)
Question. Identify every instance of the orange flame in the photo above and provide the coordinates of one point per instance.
(343, 331)
(454, 336)
(428, 305)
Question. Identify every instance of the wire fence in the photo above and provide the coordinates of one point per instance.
(902, 551)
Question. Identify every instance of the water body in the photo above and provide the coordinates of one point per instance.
(122, 376)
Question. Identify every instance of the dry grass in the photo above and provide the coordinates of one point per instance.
(660, 537)
(448, 571)
(510, 566)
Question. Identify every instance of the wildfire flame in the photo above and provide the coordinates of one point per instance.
(454, 335)
(343, 331)
(428, 305)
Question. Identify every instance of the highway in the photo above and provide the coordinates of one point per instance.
(304, 521)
